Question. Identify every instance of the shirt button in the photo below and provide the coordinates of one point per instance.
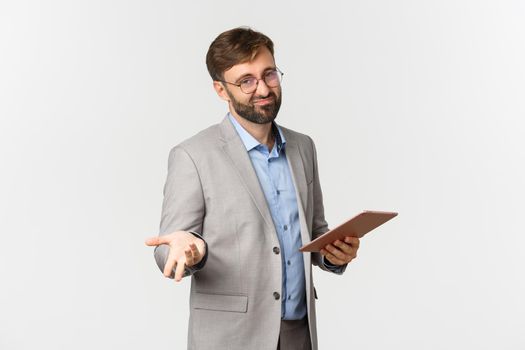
(276, 295)
(278, 192)
(276, 250)
(285, 227)
(289, 262)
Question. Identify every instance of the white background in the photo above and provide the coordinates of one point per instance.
(415, 106)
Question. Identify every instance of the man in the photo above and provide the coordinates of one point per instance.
(240, 198)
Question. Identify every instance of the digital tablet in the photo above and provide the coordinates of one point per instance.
(357, 226)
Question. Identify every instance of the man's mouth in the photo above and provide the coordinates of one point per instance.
(263, 101)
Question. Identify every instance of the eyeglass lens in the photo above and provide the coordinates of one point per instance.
(271, 78)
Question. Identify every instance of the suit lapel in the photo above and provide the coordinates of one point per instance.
(236, 152)
(295, 162)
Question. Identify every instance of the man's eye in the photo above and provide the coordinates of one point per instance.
(271, 74)
(247, 81)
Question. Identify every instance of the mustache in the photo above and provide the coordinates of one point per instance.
(258, 98)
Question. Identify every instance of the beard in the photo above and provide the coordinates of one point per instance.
(257, 114)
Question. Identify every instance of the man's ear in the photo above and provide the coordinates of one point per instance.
(221, 90)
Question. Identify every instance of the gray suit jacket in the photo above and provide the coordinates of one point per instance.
(212, 189)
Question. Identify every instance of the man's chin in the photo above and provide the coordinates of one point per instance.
(259, 118)
(267, 112)
(269, 117)
(265, 120)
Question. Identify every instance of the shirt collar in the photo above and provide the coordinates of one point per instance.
(250, 142)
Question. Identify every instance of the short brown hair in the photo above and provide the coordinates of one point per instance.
(232, 47)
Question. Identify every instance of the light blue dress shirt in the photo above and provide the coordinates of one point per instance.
(276, 182)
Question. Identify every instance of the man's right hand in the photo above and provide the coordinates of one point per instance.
(185, 250)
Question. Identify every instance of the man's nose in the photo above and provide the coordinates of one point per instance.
(262, 88)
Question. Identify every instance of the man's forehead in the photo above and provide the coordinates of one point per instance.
(262, 61)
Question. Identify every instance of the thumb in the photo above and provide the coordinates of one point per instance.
(155, 241)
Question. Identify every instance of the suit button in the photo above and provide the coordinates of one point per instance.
(276, 295)
(276, 250)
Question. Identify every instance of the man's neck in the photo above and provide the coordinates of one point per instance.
(260, 132)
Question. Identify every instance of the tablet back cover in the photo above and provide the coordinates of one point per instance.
(357, 226)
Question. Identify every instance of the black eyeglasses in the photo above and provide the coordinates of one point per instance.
(248, 85)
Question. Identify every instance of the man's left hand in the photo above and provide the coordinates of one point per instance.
(341, 252)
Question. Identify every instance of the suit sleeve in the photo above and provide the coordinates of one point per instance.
(183, 205)
(319, 224)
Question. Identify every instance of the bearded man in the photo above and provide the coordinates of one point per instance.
(240, 199)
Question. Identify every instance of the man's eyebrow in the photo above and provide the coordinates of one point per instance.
(243, 76)
(251, 75)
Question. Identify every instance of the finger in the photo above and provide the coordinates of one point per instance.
(336, 252)
(190, 260)
(158, 240)
(334, 260)
(346, 248)
(179, 271)
(195, 250)
(170, 264)
(353, 241)
(196, 255)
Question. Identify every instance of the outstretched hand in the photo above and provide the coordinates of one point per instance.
(185, 250)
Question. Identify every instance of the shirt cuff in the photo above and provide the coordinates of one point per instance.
(337, 269)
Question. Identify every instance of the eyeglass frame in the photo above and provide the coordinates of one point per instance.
(257, 84)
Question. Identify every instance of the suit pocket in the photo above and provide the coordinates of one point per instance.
(220, 302)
